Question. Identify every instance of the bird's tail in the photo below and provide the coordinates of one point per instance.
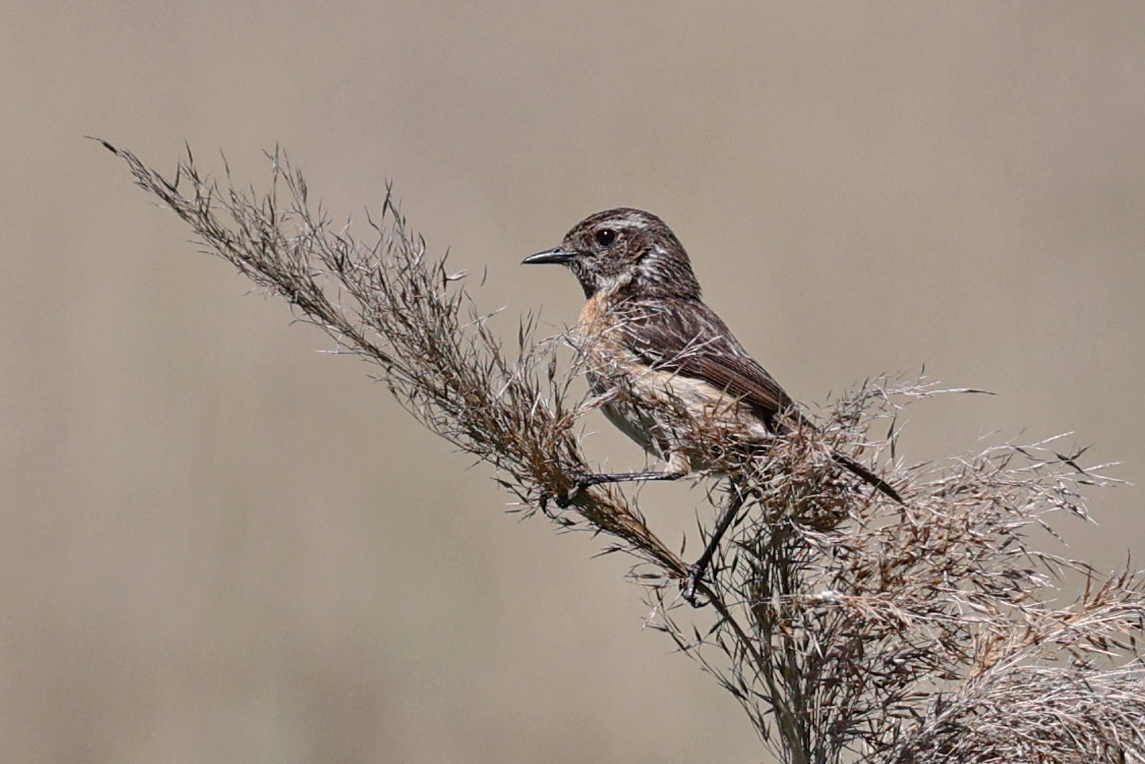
(866, 475)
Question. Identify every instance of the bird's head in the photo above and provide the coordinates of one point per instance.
(624, 252)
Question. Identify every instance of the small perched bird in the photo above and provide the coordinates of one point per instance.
(645, 329)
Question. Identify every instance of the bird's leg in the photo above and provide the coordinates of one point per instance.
(676, 468)
(585, 480)
(699, 568)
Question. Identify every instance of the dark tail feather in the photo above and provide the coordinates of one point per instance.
(866, 475)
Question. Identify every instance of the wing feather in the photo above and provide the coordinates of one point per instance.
(686, 337)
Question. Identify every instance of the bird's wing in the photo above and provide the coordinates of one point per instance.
(687, 338)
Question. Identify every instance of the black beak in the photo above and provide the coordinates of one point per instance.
(555, 255)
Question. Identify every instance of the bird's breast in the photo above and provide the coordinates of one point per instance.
(593, 315)
(658, 409)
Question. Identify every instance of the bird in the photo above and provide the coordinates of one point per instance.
(652, 347)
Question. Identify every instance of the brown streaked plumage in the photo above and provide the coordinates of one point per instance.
(646, 329)
(645, 318)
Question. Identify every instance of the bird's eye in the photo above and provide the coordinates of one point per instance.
(605, 237)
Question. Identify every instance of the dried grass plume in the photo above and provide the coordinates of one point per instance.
(847, 626)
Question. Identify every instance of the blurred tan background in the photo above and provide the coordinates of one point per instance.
(221, 546)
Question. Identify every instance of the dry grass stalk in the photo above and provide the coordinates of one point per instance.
(846, 625)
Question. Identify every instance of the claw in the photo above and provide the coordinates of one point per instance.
(581, 483)
(583, 480)
(690, 585)
(564, 498)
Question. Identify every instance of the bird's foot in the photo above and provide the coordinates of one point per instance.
(581, 482)
(689, 587)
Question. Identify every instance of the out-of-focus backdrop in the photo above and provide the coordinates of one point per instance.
(218, 545)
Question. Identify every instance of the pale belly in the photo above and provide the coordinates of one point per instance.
(661, 436)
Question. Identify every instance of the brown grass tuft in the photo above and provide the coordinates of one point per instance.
(846, 625)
